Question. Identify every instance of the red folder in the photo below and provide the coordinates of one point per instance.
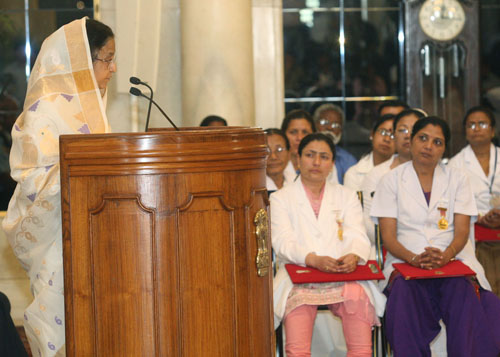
(452, 269)
(303, 275)
(482, 233)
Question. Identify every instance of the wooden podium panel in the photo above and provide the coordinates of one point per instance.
(162, 232)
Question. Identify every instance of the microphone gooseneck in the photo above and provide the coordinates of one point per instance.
(137, 81)
(137, 92)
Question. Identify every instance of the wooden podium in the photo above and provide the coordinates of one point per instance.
(167, 244)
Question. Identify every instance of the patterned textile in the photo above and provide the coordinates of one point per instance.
(62, 98)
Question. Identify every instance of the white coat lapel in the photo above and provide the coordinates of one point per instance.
(326, 216)
(473, 164)
(305, 209)
(411, 185)
(439, 185)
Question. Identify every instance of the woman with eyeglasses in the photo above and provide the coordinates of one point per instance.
(424, 208)
(277, 161)
(66, 95)
(382, 150)
(319, 224)
(402, 127)
(480, 159)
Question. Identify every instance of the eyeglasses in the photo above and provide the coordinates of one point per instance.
(385, 132)
(480, 125)
(109, 62)
(277, 150)
(404, 131)
(332, 125)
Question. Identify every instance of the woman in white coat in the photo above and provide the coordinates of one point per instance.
(382, 150)
(481, 162)
(297, 124)
(319, 224)
(424, 210)
(401, 129)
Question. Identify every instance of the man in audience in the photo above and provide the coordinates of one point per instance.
(329, 120)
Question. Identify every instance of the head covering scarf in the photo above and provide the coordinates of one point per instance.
(62, 98)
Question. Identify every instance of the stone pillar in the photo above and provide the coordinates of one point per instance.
(217, 61)
(268, 63)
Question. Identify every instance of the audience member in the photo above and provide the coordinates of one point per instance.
(213, 120)
(329, 120)
(393, 107)
(424, 209)
(303, 233)
(277, 161)
(480, 160)
(297, 124)
(401, 127)
(382, 150)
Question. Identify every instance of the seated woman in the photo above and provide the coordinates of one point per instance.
(409, 202)
(304, 232)
(401, 127)
(383, 149)
(481, 162)
(297, 124)
(277, 161)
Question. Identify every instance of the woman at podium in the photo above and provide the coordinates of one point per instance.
(66, 95)
(424, 209)
(319, 224)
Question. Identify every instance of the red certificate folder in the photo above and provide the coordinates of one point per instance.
(450, 270)
(485, 234)
(304, 275)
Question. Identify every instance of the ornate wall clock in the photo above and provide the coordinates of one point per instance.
(442, 60)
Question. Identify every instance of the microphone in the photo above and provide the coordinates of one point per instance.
(137, 92)
(137, 81)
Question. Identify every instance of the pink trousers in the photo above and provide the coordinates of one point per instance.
(357, 330)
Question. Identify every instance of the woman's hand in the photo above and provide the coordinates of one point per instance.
(347, 263)
(432, 258)
(490, 219)
(322, 262)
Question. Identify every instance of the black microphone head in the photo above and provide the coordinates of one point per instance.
(135, 80)
(135, 91)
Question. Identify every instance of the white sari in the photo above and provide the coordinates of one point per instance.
(62, 98)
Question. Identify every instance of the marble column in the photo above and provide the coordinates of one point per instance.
(268, 63)
(217, 61)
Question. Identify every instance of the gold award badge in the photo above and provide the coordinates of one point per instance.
(340, 227)
(442, 223)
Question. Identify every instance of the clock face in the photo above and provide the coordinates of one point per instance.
(442, 20)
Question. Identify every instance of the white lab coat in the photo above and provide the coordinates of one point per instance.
(480, 183)
(289, 173)
(368, 187)
(271, 186)
(399, 195)
(296, 232)
(356, 173)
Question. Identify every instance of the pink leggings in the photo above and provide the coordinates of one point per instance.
(299, 328)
